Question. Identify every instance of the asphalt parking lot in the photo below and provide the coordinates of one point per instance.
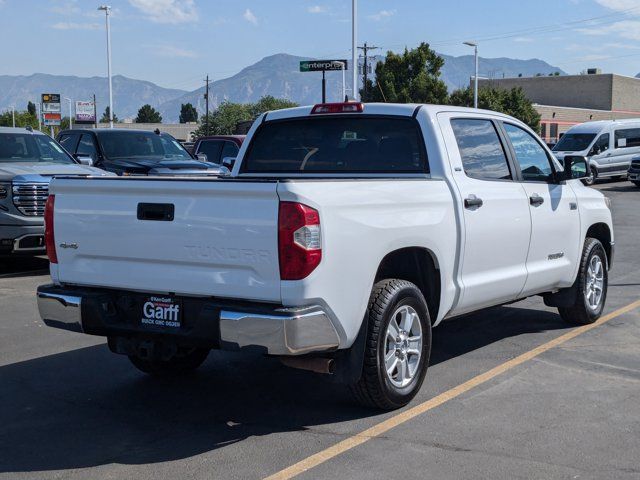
(71, 409)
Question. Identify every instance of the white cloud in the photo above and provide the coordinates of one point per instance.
(316, 9)
(172, 51)
(167, 11)
(65, 8)
(382, 14)
(75, 26)
(523, 39)
(250, 17)
(620, 5)
(629, 29)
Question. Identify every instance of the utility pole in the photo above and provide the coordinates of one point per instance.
(354, 50)
(365, 67)
(206, 101)
(95, 112)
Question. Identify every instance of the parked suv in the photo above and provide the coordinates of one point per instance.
(134, 152)
(219, 147)
(28, 161)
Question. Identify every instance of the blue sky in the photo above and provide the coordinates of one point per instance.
(175, 43)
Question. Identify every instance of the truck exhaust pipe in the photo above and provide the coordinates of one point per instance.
(313, 364)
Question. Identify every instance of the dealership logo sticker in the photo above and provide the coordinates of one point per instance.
(161, 312)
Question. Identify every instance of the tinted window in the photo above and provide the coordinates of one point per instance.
(69, 141)
(350, 144)
(574, 142)
(602, 144)
(87, 147)
(532, 158)
(118, 144)
(629, 137)
(212, 149)
(19, 147)
(230, 150)
(480, 149)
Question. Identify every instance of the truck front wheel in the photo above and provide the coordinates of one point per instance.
(398, 346)
(180, 363)
(591, 285)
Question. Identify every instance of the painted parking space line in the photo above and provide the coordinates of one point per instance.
(406, 415)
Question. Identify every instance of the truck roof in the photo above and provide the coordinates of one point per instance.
(598, 125)
(19, 130)
(402, 109)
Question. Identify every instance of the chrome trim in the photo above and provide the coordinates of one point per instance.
(16, 243)
(289, 331)
(61, 309)
(30, 198)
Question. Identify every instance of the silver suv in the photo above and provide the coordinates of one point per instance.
(28, 161)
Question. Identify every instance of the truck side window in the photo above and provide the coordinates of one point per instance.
(87, 147)
(211, 148)
(532, 158)
(69, 141)
(230, 149)
(481, 150)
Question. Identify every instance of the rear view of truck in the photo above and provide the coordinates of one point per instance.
(281, 256)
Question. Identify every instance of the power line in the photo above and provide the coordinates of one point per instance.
(365, 49)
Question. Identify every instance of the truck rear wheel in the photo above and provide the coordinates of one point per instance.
(180, 363)
(591, 285)
(398, 346)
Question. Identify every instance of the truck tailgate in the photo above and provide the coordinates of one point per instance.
(220, 240)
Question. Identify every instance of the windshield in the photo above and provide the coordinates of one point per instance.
(355, 144)
(574, 142)
(146, 145)
(27, 147)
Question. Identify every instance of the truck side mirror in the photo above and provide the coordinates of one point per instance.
(202, 157)
(575, 167)
(84, 159)
(228, 162)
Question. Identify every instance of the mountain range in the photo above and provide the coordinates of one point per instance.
(277, 75)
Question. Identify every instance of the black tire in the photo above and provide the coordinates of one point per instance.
(179, 364)
(589, 181)
(374, 388)
(637, 184)
(581, 313)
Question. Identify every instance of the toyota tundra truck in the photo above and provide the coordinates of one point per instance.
(343, 234)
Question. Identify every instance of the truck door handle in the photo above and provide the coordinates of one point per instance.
(472, 202)
(159, 212)
(536, 200)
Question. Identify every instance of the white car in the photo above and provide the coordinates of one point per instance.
(609, 145)
(344, 233)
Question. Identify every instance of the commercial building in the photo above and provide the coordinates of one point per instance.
(567, 100)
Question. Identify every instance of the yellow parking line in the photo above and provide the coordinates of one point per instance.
(402, 417)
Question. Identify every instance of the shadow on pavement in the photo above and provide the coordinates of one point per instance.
(616, 187)
(22, 266)
(88, 407)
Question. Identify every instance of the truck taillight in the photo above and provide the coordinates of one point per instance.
(299, 245)
(344, 107)
(49, 235)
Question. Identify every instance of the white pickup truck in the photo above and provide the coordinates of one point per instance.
(344, 233)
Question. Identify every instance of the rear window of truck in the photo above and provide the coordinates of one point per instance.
(348, 144)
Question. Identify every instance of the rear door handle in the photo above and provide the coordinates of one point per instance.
(472, 202)
(536, 200)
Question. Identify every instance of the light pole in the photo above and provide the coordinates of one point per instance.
(344, 90)
(70, 116)
(107, 11)
(354, 48)
(475, 78)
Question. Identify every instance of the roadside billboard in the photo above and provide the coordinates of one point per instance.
(85, 112)
(51, 109)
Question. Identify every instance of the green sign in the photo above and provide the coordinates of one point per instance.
(322, 65)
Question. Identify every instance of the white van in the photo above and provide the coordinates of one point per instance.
(608, 144)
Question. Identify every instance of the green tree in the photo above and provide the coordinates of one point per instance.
(410, 77)
(31, 108)
(105, 116)
(268, 103)
(224, 120)
(188, 113)
(513, 102)
(23, 119)
(148, 114)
